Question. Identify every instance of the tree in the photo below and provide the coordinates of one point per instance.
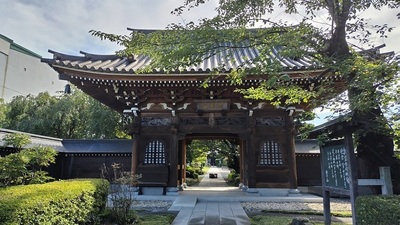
(3, 112)
(231, 152)
(26, 165)
(67, 116)
(223, 149)
(196, 151)
(368, 75)
(39, 158)
(16, 140)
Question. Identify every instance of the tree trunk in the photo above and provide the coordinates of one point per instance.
(374, 145)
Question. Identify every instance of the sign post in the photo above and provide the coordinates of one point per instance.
(338, 173)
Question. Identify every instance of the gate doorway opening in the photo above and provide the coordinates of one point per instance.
(218, 156)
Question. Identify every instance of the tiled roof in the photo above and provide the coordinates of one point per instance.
(36, 140)
(226, 60)
(117, 146)
(306, 146)
(98, 146)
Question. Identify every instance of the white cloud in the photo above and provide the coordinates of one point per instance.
(63, 26)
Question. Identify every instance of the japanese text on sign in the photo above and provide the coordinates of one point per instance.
(336, 167)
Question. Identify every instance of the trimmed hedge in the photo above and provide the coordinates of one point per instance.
(192, 172)
(378, 210)
(233, 177)
(78, 201)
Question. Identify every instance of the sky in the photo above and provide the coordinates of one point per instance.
(64, 25)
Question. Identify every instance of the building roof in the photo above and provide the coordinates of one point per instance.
(307, 146)
(226, 61)
(98, 146)
(113, 80)
(36, 140)
(19, 48)
(74, 146)
(121, 82)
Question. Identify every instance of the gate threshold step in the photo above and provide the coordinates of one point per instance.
(183, 201)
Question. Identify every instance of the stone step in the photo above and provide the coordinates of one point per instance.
(183, 201)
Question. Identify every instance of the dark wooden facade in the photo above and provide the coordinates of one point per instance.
(164, 111)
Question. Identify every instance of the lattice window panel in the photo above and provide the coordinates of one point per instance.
(270, 153)
(155, 153)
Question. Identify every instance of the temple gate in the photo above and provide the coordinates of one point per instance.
(165, 111)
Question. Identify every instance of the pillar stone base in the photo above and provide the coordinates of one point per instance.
(253, 192)
(172, 191)
(294, 193)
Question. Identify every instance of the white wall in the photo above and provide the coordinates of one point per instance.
(22, 73)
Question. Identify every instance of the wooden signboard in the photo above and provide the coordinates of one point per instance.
(338, 172)
(336, 166)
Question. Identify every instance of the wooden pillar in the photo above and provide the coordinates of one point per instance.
(244, 165)
(352, 170)
(183, 166)
(173, 162)
(241, 160)
(250, 157)
(173, 156)
(135, 154)
(291, 154)
(251, 161)
(135, 145)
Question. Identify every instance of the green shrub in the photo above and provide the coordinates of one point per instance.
(232, 176)
(122, 194)
(129, 217)
(198, 170)
(373, 210)
(237, 181)
(190, 169)
(26, 166)
(192, 172)
(189, 174)
(191, 181)
(77, 201)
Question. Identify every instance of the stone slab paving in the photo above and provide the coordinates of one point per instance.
(212, 213)
(183, 202)
(206, 181)
(212, 202)
(195, 212)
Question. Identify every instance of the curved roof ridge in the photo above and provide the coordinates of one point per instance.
(62, 56)
(95, 57)
(226, 59)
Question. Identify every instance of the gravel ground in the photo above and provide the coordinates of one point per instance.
(152, 206)
(336, 205)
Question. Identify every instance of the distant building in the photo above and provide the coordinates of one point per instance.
(22, 73)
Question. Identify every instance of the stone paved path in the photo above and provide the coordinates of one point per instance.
(194, 211)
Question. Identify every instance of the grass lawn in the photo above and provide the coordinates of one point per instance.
(285, 219)
(144, 218)
(154, 219)
(281, 219)
(258, 218)
(266, 218)
(311, 212)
